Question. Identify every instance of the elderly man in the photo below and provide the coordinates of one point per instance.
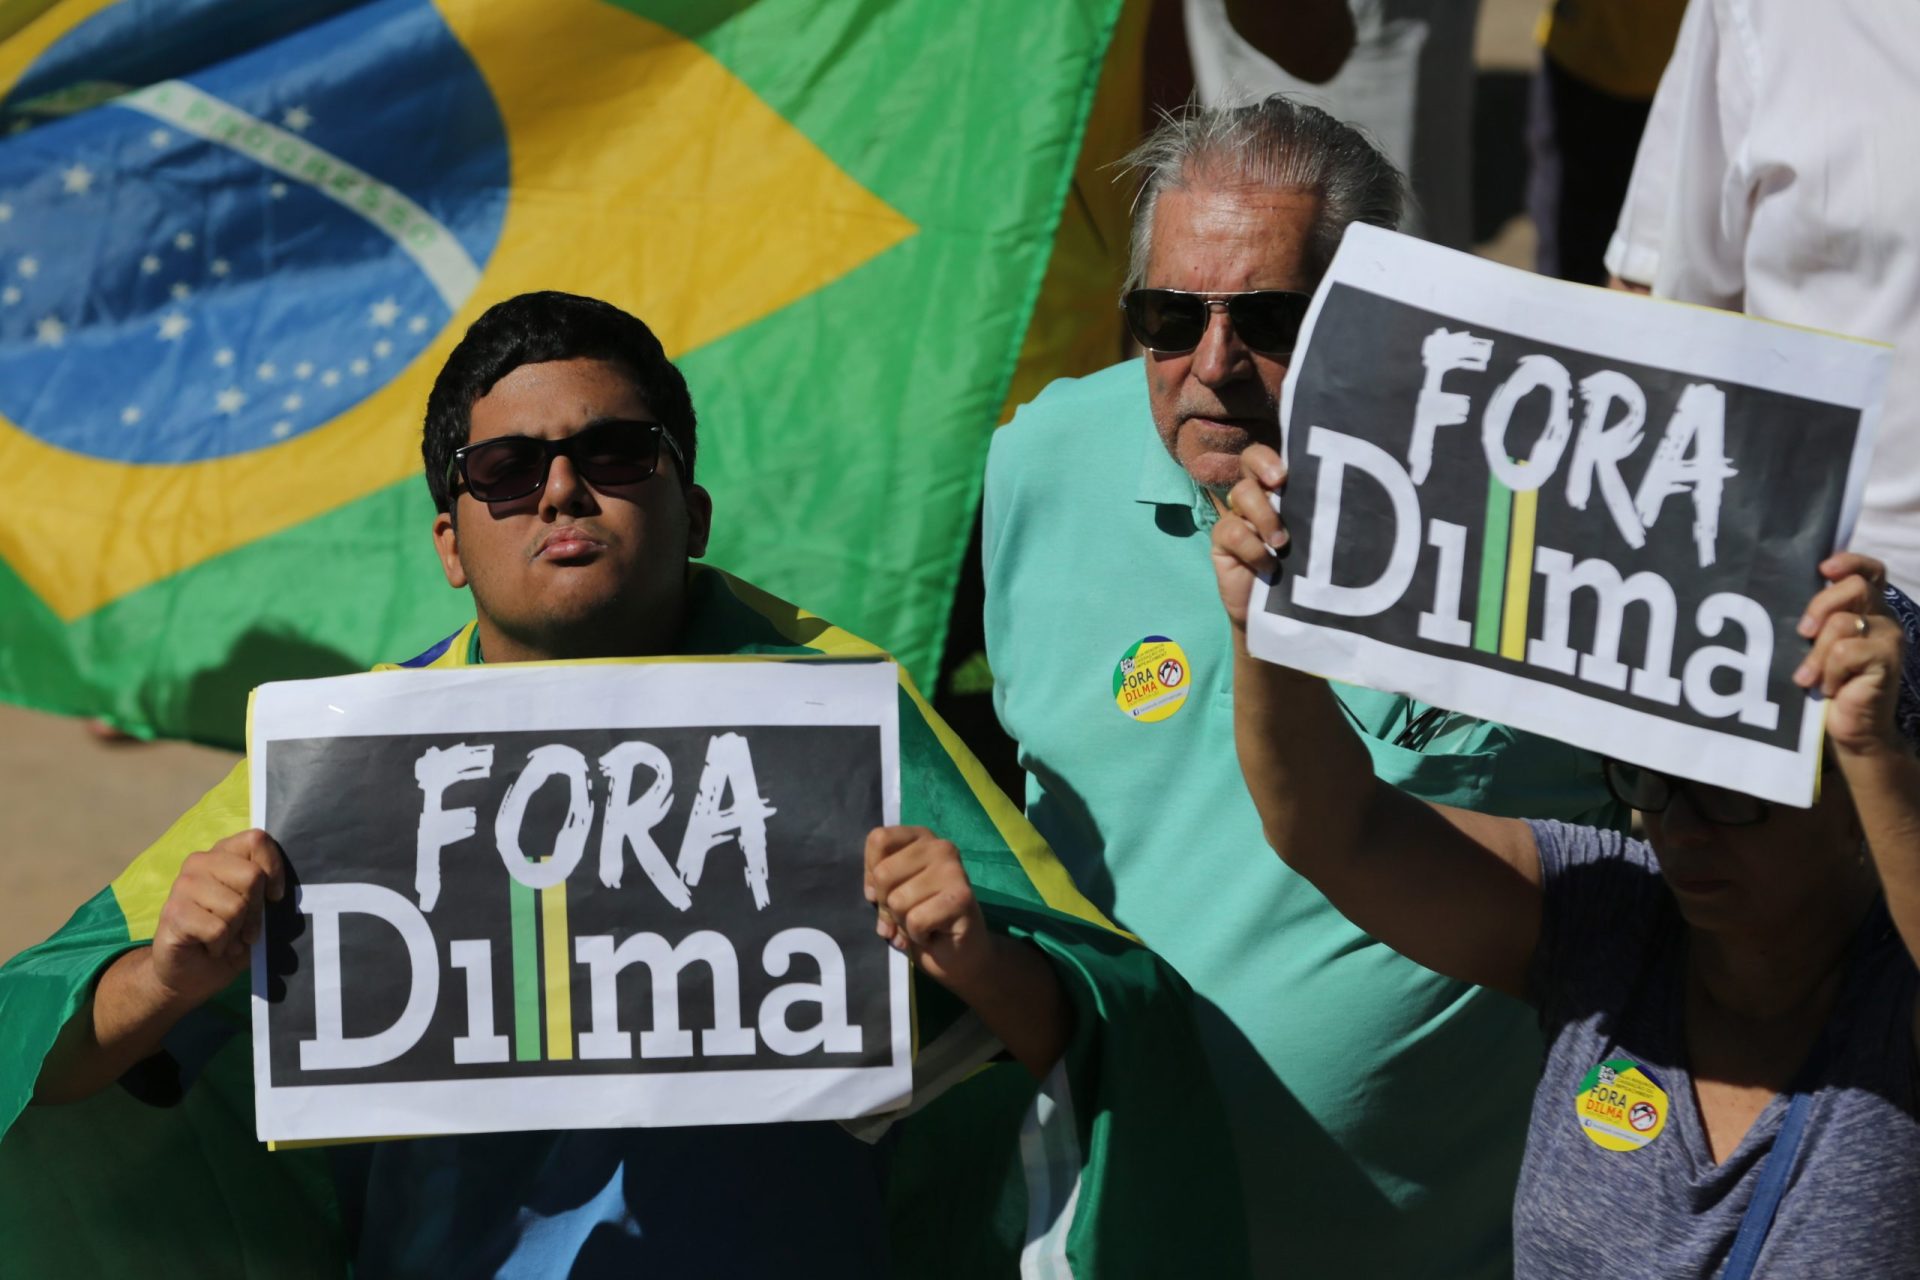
(1379, 1109)
(560, 449)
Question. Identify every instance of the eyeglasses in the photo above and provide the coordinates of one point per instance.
(1652, 792)
(1169, 321)
(607, 453)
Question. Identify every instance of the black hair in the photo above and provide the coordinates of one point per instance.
(535, 328)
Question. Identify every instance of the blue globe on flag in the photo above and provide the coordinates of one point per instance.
(244, 243)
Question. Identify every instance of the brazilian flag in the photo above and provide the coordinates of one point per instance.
(238, 239)
(1119, 1165)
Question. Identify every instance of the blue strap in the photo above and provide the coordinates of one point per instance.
(1758, 1219)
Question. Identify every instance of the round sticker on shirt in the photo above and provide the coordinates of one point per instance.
(1152, 680)
(1621, 1105)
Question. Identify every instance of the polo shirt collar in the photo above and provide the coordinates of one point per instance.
(1165, 483)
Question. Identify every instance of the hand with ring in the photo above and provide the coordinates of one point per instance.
(1854, 661)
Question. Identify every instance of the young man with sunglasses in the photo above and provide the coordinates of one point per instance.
(1365, 1147)
(560, 451)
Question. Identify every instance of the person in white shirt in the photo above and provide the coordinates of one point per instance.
(1776, 177)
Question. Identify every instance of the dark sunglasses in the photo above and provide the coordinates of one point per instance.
(609, 453)
(1169, 321)
(1653, 792)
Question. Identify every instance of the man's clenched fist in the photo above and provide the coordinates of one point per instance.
(926, 903)
(213, 914)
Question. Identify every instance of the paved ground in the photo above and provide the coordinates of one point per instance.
(75, 810)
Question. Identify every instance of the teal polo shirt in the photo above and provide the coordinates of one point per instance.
(1379, 1109)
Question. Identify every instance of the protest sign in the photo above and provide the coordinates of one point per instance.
(1578, 512)
(576, 897)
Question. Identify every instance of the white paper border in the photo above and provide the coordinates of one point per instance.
(639, 695)
(627, 1100)
(1512, 699)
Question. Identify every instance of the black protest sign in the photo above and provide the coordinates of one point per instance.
(1588, 515)
(643, 910)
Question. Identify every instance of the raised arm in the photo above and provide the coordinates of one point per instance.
(1855, 662)
(202, 942)
(1456, 891)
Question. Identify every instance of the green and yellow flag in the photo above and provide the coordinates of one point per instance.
(237, 240)
(1122, 1168)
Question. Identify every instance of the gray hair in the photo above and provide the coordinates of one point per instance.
(1279, 144)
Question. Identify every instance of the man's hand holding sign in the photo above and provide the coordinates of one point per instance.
(1744, 952)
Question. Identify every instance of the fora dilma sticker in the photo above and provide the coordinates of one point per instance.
(1152, 680)
(1621, 1105)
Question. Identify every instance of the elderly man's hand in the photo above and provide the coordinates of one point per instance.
(213, 915)
(1250, 532)
(1855, 659)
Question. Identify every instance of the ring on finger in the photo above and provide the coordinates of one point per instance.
(1859, 624)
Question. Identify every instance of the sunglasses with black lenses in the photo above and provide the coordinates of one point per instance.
(1652, 792)
(606, 454)
(1170, 321)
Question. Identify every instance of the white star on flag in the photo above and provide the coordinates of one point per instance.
(130, 414)
(50, 332)
(9, 295)
(383, 313)
(6, 212)
(303, 370)
(173, 325)
(184, 240)
(297, 119)
(223, 357)
(382, 349)
(330, 378)
(282, 429)
(292, 403)
(149, 265)
(266, 371)
(230, 400)
(277, 190)
(29, 267)
(359, 366)
(159, 137)
(417, 325)
(220, 267)
(182, 291)
(76, 180)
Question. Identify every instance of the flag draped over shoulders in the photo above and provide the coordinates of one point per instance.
(1118, 1164)
(238, 240)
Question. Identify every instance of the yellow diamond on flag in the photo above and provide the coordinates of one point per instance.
(647, 174)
